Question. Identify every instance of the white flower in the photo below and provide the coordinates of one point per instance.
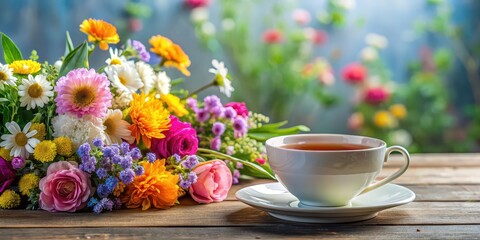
(20, 142)
(369, 54)
(124, 77)
(122, 100)
(58, 65)
(401, 137)
(376, 40)
(79, 130)
(35, 91)
(221, 79)
(228, 24)
(146, 74)
(208, 29)
(345, 4)
(199, 14)
(162, 84)
(116, 57)
(116, 128)
(6, 76)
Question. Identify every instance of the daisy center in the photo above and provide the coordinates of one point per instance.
(219, 80)
(3, 76)
(122, 80)
(21, 139)
(110, 126)
(116, 61)
(35, 90)
(84, 96)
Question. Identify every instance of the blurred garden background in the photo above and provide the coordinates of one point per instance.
(403, 71)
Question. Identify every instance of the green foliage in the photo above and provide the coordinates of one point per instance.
(11, 52)
(77, 58)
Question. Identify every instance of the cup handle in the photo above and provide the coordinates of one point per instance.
(397, 174)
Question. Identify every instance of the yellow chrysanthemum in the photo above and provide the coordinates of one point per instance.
(45, 151)
(149, 118)
(27, 183)
(5, 154)
(64, 146)
(156, 187)
(398, 110)
(41, 130)
(9, 199)
(174, 105)
(172, 54)
(119, 189)
(383, 119)
(25, 67)
(100, 32)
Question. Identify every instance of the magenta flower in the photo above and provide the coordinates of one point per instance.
(376, 95)
(197, 3)
(7, 174)
(239, 107)
(83, 92)
(354, 73)
(180, 139)
(65, 188)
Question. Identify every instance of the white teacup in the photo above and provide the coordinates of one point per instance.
(330, 177)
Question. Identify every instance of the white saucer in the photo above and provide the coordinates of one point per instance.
(278, 202)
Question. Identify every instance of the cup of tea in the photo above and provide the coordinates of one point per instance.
(329, 170)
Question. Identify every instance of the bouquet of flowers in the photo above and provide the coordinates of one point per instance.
(75, 138)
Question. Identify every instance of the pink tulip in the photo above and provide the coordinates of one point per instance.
(213, 182)
(272, 36)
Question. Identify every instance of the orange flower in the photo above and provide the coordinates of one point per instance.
(100, 32)
(172, 54)
(149, 118)
(156, 187)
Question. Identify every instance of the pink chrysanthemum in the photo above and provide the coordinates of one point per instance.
(83, 92)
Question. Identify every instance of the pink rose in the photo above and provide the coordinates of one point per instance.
(213, 182)
(376, 95)
(65, 188)
(301, 16)
(354, 73)
(7, 174)
(180, 139)
(272, 36)
(239, 107)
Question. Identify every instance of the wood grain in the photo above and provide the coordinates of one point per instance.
(279, 231)
(439, 175)
(437, 160)
(233, 213)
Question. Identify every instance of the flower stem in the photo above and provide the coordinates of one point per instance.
(200, 89)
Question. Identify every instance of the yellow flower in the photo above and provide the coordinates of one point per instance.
(5, 154)
(64, 146)
(41, 131)
(45, 151)
(383, 119)
(172, 54)
(156, 187)
(118, 190)
(149, 118)
(174, 104)
(100, 32)
(9, 199)
(399, 111)
(25, 67)
(27, 183)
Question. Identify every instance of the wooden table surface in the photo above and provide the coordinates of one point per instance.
(447, 206)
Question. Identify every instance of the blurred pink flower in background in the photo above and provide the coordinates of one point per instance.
(376, 95)
(317, 36)
(197, 3)
(354, 73)
(301, 16)
(272, 35)
(355, 121)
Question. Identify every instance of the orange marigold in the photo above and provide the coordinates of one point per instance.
(156, 187)
(100, 32)
(149, 118)
(172, 54)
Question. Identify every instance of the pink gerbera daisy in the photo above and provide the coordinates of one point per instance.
(83, 92)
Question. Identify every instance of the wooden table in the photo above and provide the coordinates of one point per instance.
(447, 206)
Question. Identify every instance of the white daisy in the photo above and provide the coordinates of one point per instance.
(122, 100)
(146, 74)
(162, 84)
(79, 130)
(20, 142)
(35, 91)
(376, 40)
(116, 57)
(221, 79)
(116, 128)
(369, 54)
(124, 77)
(6, 76)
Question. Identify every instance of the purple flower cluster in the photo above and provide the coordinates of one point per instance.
(187, 176)
(140, 48)
(187, 180)
(18, 163)
(104, 204)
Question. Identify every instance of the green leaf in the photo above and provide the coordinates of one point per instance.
(269, 126)
(78, 58)
(11, 52)
(68, 45)
(177, 81)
